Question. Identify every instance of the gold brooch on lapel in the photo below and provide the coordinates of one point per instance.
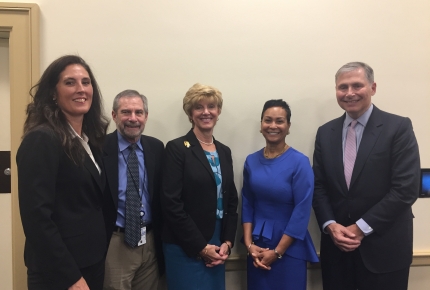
(187, 144)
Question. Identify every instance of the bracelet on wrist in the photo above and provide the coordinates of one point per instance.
(249, 247)
(229, 248)
(277, 254)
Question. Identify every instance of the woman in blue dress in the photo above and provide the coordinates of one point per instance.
(276, 203)
(199, 198)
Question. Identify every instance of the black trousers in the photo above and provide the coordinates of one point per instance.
(93, 275)
(348, 272)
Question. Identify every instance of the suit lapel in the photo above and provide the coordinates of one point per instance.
(89, 165)
(197, 150)
(149, 165)
(370, 136)
(337, 152)
(110, 161)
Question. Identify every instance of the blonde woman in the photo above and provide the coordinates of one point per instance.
(199, 198)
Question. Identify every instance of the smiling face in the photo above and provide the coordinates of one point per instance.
(74, 92)
(274, 125)
(205, 115)
(130, 118)
(354, 92)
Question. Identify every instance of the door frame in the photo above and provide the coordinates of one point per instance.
(21, 21)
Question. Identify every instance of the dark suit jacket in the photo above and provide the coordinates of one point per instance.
(189, 196)
(384, 185)
(61, 209)
(153, 149)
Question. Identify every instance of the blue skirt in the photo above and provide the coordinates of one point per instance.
(287, 273)
(185, 273)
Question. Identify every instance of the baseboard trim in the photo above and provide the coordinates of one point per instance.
(238, 262)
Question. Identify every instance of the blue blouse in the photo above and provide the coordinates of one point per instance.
(216, 168)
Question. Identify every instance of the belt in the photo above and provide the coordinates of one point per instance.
(122, 230)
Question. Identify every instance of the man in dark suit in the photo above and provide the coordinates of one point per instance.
(130, 263)
(367, 170)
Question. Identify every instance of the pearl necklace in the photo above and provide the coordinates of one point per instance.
(206, 143)
(266, 155)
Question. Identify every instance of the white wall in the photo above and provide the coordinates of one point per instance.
(252, 51)
(5, 198)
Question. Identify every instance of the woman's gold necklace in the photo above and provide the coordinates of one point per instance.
(266, 155)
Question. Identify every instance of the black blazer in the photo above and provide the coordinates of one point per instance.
(61, 209)
(189, 195)
(153, 149)
(384, 185)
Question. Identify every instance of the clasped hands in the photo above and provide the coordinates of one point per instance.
(347, 239)
(214, 255)
(263, 257)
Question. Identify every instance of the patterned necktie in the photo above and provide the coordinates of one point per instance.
(350, 152)
(132, 200)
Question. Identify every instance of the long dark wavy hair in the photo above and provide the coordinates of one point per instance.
(44, 112)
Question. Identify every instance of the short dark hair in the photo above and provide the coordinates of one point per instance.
(277, 103)
(43, 110)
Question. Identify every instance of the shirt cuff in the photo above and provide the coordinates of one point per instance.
(364, 227)
(326, 224)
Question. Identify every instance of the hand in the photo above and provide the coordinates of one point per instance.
(356, 231)
(343, 238)
(211, 256)
(265, 259)
(224, 249)
(81, 284)
(255, 252)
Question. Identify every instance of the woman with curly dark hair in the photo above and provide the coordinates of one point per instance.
(60, 179)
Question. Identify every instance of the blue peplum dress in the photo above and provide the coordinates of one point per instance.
(277, 199)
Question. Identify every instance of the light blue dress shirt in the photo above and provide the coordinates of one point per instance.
(123, 152)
